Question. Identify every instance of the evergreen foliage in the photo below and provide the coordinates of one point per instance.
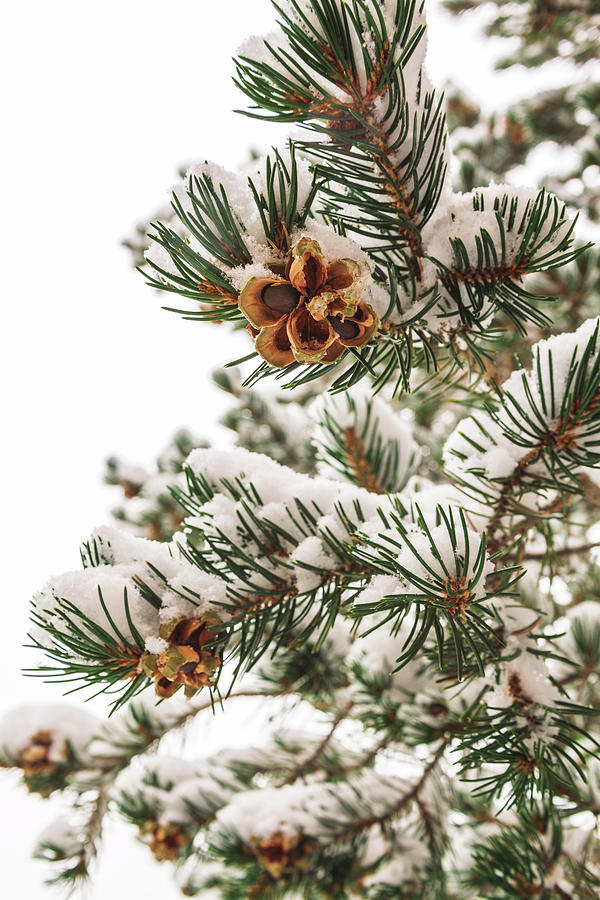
(401, 548)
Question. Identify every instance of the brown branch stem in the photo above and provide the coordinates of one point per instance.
(563, 551)
(405, 800)
(306, 765)
(361, 469)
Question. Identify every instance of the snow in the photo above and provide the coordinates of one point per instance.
(311, 555)
(121, 731)
(183, 589)
(278, 487)
(459, 698)
(84, 589)
(67, 725)
(256, 172)
(117, 547)
(241, 275)
(191, 591)
(421, 102)
(61, 834)
(333, 246)
(163, 771)
(466, 216)
(130, 473)
(180, 791)
(339, 638)
(577, 634)
(528, 673)
(478, 445)
(340, 509)
(368, 416)
(480, 449)
(241, 203)
(220, 465)
(516, 617)
(260, 50)
(261, 814)
(378, 298)
(160, 260)
(156, 645)
(590, 788)
(458, 226)
(556, 355)
(586, 613)
(430, 496)
(379, 587)
(411, 856)
(376, 651)
(303, 809)
(437, 554)
(415, 81)
(192, 875)
(412, 297)
(234, 184)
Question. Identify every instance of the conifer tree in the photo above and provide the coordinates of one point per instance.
(400, 549)
(566, 116)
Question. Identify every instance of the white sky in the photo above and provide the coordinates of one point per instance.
(103, 101)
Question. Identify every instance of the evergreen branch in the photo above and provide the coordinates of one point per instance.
(405, 172)
(307, 765)
(146, 731)
(362, 472)
(359, 438)
(403, 803)
(561, 552)
(515, 239)
(78, 852)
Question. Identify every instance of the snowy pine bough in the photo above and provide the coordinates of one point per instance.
(349, 247)
(397, 560)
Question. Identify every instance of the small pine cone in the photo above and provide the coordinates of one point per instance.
(188, 661)
(282, 855)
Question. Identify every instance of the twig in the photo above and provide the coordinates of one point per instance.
(405, 800)
(306, 765)
(564, 551)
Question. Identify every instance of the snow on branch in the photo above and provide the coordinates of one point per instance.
(296, 550)
(537, 440)
(228, 221)
(355, 72)
(437, 570)
(484, 244)
(363, 440)
(293, 831)
(170, 799)
(137, 610)
(349, 248)
(269, 555)
(48, 743)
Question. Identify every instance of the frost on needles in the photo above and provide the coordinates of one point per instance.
(397, 579)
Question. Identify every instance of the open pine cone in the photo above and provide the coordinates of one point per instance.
(312, 313)
(187, 661)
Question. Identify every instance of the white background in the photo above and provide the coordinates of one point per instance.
(103, 102)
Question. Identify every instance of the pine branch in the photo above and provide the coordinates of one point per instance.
(405, 176)
(401, 805)
(307, 765)
(562, 552)
(364, 762)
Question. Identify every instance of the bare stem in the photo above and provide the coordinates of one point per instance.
(308, 764)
